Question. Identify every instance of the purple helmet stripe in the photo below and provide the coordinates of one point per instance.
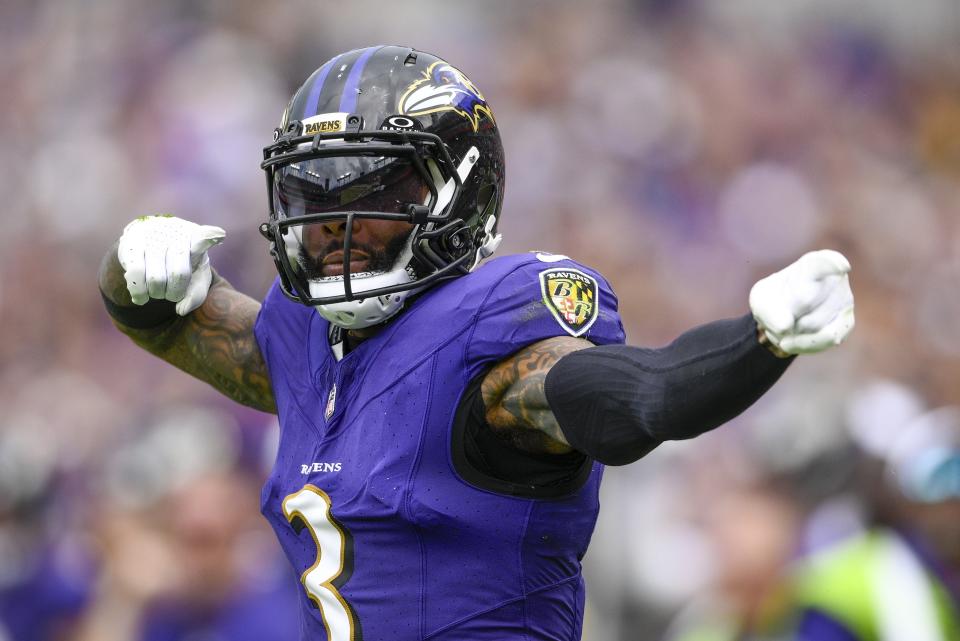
(348, 99)
(310, 106)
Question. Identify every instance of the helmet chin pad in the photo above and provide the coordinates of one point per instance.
(363, 313)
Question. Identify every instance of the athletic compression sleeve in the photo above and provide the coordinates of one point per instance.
(150, 315)
(616, 403)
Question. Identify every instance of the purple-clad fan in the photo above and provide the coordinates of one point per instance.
(444, 422)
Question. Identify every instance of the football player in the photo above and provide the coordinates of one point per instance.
(445, 422)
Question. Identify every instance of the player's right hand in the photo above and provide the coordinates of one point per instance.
(165, 257)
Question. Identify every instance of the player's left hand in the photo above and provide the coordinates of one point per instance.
(806, 307)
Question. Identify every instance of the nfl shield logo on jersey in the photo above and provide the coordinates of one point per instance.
(571, 296)
(331, 402)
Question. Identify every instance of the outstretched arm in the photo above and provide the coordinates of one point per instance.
(213, 342)
(616, 403)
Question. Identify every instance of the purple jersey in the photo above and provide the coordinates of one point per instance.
(391, 542)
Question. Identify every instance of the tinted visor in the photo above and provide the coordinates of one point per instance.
(348, 183)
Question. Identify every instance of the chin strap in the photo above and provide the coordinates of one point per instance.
(463, 170)
(491, 241)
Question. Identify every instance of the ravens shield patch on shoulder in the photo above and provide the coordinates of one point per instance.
(571, 296)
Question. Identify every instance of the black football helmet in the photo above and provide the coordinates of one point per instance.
(387, 133)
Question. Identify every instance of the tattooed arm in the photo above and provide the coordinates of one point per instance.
(616, 403)
(215, 342)
(513, 394)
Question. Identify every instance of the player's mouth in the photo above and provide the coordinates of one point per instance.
(333, 263)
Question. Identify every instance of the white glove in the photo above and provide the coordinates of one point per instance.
(806, 307)
(166, 257)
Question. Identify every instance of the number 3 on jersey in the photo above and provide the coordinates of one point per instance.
(310, 507)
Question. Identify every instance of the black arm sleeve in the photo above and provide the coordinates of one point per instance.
(616, 403)
(150, 315)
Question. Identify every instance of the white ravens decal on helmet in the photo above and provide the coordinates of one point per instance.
(444, 88)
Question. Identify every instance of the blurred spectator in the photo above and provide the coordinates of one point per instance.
(181, 551)
(900, 578)
(754, 531)
(44, 576)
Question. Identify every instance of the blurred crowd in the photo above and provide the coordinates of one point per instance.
(684, 148)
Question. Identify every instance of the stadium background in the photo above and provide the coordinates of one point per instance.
(683, 148)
